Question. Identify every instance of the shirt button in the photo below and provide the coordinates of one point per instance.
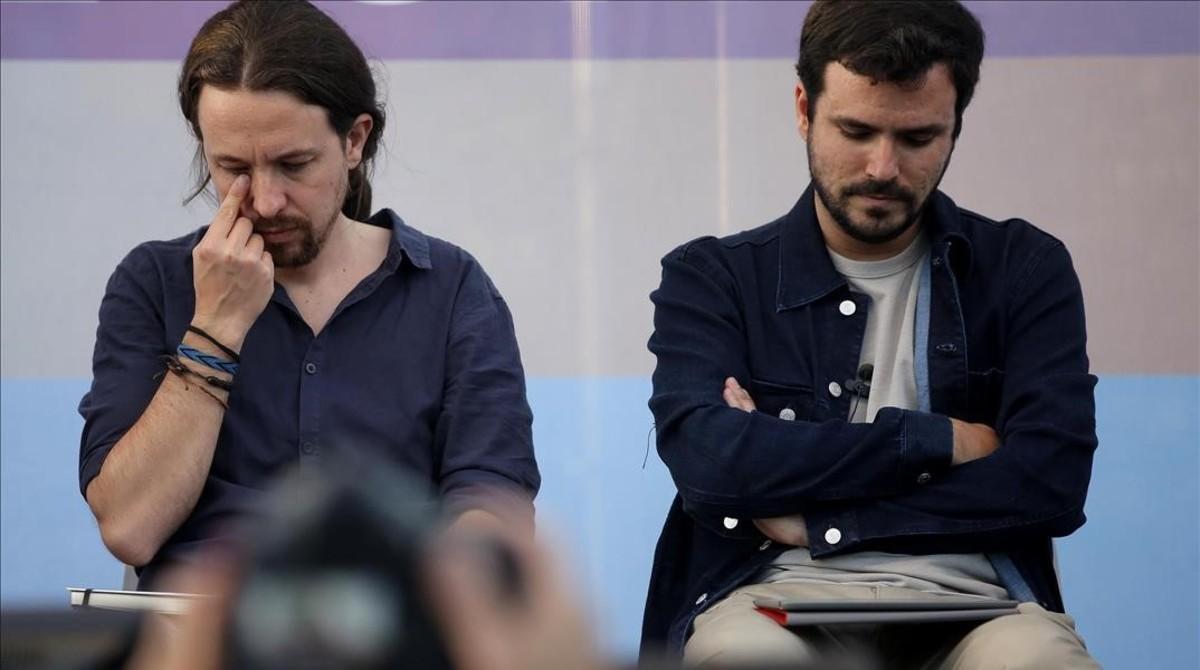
(835, 389)
(308, 447)
(833, 536)
(924, 478)
(937, 261)
(787, 414)
(847, 307)
(702, 598)
(730, 523)
(310, 368)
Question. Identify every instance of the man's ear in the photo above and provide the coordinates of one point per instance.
(356, 139)
(802, 111)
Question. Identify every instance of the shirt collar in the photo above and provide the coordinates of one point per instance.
(407, 242)
(806, 272)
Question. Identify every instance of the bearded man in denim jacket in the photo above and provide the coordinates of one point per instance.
(879, 395)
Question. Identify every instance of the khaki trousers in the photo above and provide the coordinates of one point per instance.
(732, 632)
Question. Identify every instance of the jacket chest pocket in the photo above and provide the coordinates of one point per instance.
(786, 401)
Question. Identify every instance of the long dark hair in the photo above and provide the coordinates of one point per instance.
(288, 46)
(891, 40)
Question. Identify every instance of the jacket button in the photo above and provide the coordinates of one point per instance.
(835, 389)
(847, 307)
(310, 368)
(924, 478)
(787, 414)
(730, 522)
(702, 598)
(833, 536)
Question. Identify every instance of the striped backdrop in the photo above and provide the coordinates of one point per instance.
(568, 145)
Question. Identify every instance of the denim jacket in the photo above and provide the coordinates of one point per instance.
(1003, 343)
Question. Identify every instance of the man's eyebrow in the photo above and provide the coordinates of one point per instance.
(226, 158)
(295, 154)
(930, 128)
(292, 154)
(851, 122)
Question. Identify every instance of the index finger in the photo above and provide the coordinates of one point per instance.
(227, 214)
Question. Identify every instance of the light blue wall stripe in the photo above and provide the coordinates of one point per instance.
(48, 540)
(1129, 575)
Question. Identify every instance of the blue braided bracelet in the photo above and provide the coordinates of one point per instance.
(207, 360)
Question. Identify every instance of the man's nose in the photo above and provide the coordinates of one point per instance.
(883, 165)
(265, 199)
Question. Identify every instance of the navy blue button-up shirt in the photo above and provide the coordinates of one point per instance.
(1006, 347)
(418, 366)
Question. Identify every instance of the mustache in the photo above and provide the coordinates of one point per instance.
(883, 189)
(278, 223)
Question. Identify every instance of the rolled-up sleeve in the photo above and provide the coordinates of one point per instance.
(126, 362)
(484, 442)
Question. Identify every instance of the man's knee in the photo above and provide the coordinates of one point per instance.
(1034, 639)
(743, 638)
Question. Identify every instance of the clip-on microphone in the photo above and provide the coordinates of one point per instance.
(861, 387)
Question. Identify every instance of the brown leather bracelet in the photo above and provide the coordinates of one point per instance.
(183, 372)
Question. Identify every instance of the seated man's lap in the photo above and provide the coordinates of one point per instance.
(733, 632)
(1034, 638)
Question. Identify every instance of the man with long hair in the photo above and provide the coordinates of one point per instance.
(297, 325)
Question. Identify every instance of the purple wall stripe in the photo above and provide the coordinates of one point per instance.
(122, 30)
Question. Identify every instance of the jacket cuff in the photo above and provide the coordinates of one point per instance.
(734, 528)
(831, 532)
(927, 448)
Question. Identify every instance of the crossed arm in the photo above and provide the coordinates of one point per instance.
(971, 441)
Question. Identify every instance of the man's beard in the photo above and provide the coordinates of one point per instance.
(297, 252)
(878, 230)
(302, 251)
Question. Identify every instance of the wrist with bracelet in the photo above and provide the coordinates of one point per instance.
(175, 364)
(207, 360)
(228, 365)
(233, 355)
(177, 368)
